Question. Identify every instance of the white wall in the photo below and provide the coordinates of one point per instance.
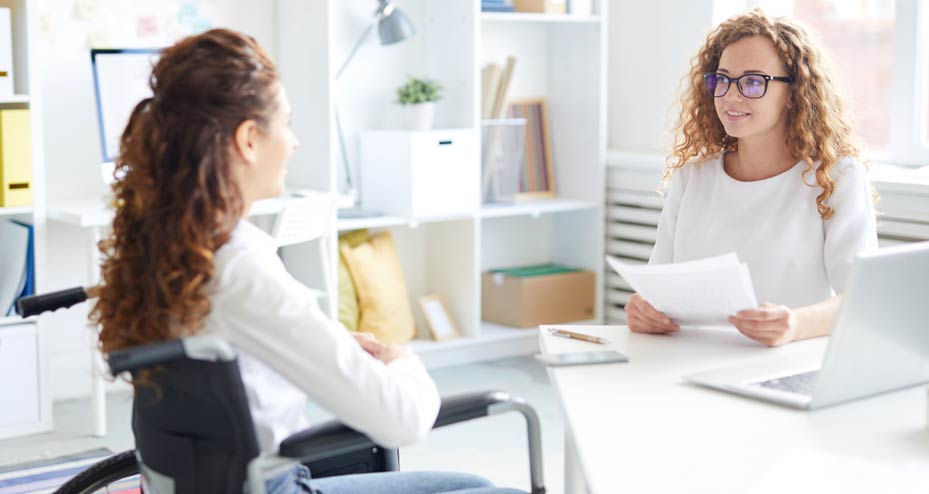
(650, 46)
(72, 151)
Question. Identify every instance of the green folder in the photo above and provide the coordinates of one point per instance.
(535, 270)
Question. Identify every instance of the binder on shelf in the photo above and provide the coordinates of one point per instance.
(17, 264)
(15, 158)
(6, 52)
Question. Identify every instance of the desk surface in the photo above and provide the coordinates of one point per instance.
(639, 427)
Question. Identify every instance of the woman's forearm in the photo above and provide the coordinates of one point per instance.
(816, 320)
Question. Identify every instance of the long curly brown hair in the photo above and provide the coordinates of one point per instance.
(818, 130)
(177, 201)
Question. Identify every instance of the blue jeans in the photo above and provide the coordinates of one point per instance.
(297, 481)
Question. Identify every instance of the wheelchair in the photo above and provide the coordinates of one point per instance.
(194, 432)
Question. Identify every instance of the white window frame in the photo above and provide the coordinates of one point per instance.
(909, 104)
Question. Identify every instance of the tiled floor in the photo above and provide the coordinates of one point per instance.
(494, 447)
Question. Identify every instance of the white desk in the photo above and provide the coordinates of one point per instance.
(638, 427)
(92, 214)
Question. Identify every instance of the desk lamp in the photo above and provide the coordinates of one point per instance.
(393, 26)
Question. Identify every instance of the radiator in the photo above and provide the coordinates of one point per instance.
(633, 206)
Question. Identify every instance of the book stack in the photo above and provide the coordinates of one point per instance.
(17, 260)
(495, 82)
(536, 174)
(496, 6)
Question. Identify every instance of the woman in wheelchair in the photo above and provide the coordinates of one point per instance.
(181, 260)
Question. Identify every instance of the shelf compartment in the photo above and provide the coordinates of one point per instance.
(14, 99)
(13, 211)
(535, 208)
(494, 342)
(345, 224)
(539, 18)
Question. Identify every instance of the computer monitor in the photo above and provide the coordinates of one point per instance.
(121, 80)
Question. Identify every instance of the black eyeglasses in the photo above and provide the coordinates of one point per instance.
(751, 86)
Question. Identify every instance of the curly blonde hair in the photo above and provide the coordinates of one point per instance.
(818, 131)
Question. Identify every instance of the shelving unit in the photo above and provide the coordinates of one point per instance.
(540, 18)
(561, 58)
(23, 366)
(16, 211)
(14, 99)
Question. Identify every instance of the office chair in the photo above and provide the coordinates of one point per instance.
(194, 432)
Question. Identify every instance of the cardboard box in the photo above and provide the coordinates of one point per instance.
(541, 6)
(529, 301)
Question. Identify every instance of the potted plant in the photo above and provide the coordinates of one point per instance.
(419, 97)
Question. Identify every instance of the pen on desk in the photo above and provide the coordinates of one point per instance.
(564, 333)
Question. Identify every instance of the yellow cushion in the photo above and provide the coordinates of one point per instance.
(348, 298)
(382, 295)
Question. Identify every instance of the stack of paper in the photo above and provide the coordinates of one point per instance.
(700, 293)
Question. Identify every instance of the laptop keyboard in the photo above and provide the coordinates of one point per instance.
(798, 383)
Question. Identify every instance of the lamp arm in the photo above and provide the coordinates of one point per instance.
(358, 44)
(338, 127)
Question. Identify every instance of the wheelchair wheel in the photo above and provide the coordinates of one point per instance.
(100, 475)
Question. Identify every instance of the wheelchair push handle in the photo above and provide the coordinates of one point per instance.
(36, 304)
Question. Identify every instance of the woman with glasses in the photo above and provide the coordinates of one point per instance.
(765, 164)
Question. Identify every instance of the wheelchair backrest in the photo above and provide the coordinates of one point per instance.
(193, 429)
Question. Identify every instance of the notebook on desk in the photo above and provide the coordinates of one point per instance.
(879, 340)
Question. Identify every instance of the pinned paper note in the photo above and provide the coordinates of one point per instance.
(146, 26)
(99, 38)
(85, 9)
(696, 294)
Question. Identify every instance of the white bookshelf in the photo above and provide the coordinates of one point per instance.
(14, 99)
(16, 211)
(561, 58)
(539, 18)
(23, 343)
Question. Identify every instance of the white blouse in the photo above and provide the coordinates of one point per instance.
(794, 256)
(288, 350)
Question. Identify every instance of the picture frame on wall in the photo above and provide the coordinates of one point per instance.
(440, 322)
(536, 177)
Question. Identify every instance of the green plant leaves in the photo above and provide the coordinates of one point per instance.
(416, 91)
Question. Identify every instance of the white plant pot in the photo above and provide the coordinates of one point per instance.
(420, 115)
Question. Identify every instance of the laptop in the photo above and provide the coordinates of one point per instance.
(121, 79)
(879, 340)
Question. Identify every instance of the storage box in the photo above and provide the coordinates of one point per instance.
(420, 173)
(19, 377)
(15, 158)
(6, 52)
(541, 6)
(509, 298)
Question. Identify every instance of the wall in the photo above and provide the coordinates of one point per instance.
(68, 28)
(650, 46)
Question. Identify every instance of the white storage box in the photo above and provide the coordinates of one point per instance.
(19, 378)
(420, 173)
(6, 52)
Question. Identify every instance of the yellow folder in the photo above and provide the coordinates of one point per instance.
(15, 158)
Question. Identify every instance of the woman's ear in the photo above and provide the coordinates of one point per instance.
(245, 140)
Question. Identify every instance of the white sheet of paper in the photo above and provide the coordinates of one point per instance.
(695, 294)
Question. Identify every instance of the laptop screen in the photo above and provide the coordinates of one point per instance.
(120, 81)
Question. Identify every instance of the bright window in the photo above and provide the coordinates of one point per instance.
(880, 49)
(859, 38)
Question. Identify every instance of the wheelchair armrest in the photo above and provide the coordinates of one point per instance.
(333, 437)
